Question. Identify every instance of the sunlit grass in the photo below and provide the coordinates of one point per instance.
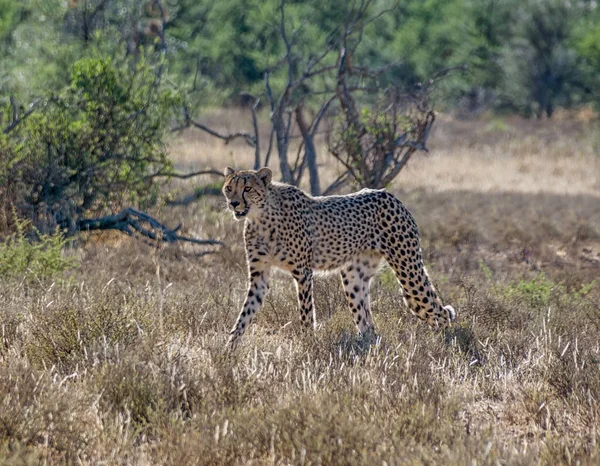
(124, 362)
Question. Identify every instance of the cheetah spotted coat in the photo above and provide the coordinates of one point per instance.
(288, 229)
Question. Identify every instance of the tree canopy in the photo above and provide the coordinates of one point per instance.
(523, 56)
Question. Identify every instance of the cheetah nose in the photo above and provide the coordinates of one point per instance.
(234, 204)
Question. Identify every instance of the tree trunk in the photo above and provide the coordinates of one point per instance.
(282, 148)
(310, 153)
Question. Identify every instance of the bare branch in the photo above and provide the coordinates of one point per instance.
(163, 41)
(337, 184)
(269, 92)
(310, 152)
(249, 138)
(268, 155)
(442, 74)
(130, 221)
(16, 120)
(256, 134)
(320, 114)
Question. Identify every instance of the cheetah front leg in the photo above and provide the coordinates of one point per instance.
(259, 286)
(304, 285)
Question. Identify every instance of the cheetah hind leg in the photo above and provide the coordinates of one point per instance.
(356, 278)
(304, 287)
(419, 293)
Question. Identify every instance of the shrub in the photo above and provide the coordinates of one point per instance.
(100, 142)
(40, 259)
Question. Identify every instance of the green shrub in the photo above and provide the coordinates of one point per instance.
(536, 292)
(19, 256)
(95, 145)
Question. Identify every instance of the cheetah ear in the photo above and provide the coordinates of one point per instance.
(265, 174)
(229, 171)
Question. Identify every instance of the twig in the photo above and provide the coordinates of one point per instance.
(249, 138)
(337, 184)
(225, 137)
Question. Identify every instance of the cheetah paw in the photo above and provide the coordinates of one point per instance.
(451, 313)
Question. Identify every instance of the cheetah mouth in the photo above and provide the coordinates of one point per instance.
(241, 214)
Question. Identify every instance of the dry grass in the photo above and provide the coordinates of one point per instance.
(509, 155)
(122, 361)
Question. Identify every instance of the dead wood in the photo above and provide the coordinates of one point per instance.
(133, 222)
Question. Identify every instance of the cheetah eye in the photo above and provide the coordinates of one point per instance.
(247, 189)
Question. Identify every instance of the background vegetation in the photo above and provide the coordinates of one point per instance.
(525, 56)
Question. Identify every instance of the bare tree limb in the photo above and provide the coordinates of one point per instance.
(320, 114)
(310, 151)
(268, 155)
(337, 184)
(249, 138)
(163, 42)
(256, 133)
(130, 222)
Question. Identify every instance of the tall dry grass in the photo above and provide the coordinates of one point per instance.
(121, 360)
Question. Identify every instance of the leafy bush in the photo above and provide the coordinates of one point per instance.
(542, 68)
(100, 142)
(41, 259)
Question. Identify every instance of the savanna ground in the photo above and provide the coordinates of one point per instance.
(121, 360)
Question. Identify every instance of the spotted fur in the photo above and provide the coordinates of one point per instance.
(288, 229)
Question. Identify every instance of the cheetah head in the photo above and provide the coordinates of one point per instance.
(246, 190)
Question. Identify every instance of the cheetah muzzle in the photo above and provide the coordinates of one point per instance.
(291, 230)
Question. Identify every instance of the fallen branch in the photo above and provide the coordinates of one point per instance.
(131, 221)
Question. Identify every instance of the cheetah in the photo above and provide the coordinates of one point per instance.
(291, 230)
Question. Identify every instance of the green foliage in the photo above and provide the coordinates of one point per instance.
(542, 67)
(523, 56)
(35, 56)
(431, 35)
(540, 290)
(589, 46)
(536, 292)
(19, 256)
(486, 271)
(97, 143)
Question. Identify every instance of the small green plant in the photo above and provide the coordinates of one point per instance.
(486, 271)
(536, 291)
(19, 256)
(585, 289)
(388, 279)
(497, 125)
